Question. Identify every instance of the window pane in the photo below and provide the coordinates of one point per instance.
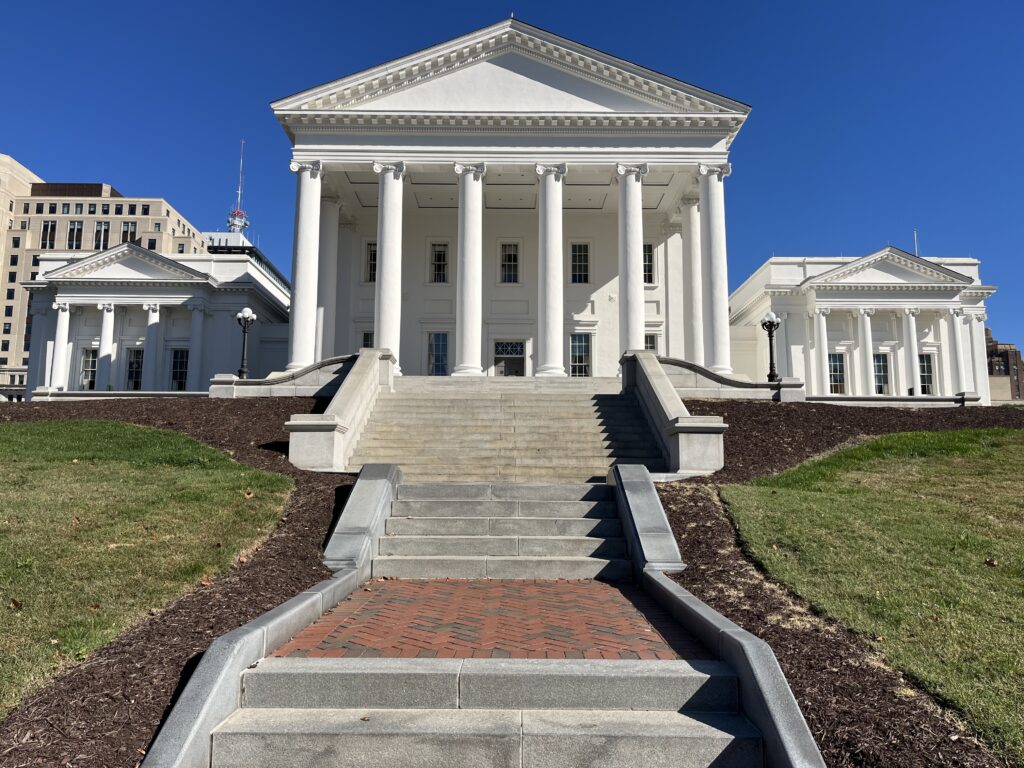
(837, 373)
(648, 263)
(437, 354)
(651, 342)
(927, 375)
(179, 369)
(439, 263)
(510, 262)
(89, 358)
(881, 374)
(368, 339)
(579, 354)
(134, 374)
(580, 254)
(371, 262)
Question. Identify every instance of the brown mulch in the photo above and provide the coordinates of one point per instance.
(861, 712)
(105, 711)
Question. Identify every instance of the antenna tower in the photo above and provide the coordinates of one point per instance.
(237, 220)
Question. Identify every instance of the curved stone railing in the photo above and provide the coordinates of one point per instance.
(321, 379)
(699, 383)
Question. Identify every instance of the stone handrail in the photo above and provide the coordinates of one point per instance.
(784, 390)
(645, 525)
(692, 445)
(312, 381)
(324, 442)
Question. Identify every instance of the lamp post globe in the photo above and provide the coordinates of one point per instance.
(770, 324)
(245, 319)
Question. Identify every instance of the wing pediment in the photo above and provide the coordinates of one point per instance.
(890, 267)
(126, 262)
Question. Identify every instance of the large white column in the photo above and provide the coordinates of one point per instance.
(693, 277)
(550, 307)
(151, 352)
(327, 278)
(59, 367)
(306, 252)
(41, 331)
(469, 298)
(104, 362)
(979, 355)
(821, 347)
(387, 309)
(865, 346)
(631, 257)
(913, 356)
(193, 376)
(712, 213)
(955, 328)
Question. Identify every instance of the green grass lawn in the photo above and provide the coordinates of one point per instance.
(99, 523)
(917, 541)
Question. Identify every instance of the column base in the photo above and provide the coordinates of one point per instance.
(296, 366)
(723, 369)
(468, 370)
(550, 371)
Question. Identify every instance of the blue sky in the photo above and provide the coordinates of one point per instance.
(869, 118)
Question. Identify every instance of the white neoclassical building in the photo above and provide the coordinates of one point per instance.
(510, 202)
(130, 319)
(889, 324)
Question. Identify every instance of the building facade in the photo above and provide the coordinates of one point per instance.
(886, 324)
(130, 319)
(1005, 370)
(41, 218)
(510, 203)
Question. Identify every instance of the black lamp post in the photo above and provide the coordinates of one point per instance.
(245, 319)
(771, 324)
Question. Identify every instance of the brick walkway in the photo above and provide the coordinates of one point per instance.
(496, 619)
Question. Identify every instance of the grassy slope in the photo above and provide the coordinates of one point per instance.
(916, 540)
(100, 522)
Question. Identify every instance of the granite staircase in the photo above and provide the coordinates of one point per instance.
(529, 430)
(487, 713)
(503, 531)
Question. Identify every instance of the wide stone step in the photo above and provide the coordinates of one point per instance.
(506, 491)
(503, 526)
(497, 508)
(693, 686)
(517, 440)
(507, 546)
(565, 455)
(483, 567)
(483, 738)
(469, 473)
(455, 459)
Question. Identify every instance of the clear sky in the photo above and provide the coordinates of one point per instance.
(869, 119)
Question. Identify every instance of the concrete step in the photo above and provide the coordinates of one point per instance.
(692, 686)
(506, 492)
(469, 473)
(565, 454)
(518, 440)
(482, 567)
(455, 460)
(502, 508)
(484, 738)
(503, 526)
(503, 546)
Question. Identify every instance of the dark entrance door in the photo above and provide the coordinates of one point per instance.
(509, 358)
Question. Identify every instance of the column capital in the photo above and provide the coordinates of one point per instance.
(723, 170)
(61, 306)
(397, 168)
(911, 311)
(314, 167)
(630, 170)
(196, 306)
(956, 312)
(866, 311)
(152, 307)
(823, 311)
(105, 307)
(477, 169)
(979, 317)
(558, 170)
(686, 202)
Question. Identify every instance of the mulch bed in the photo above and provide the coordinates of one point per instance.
(861, 712)
(106, 711)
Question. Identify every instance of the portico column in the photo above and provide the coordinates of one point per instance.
(59, 367)
(631, 257)
(193, 380)
(306, 251)
(387, 309)
(913, 357)
(821, 342)
(865, 345)
(103, 363)
(956, 328)
(712, 214)
(327, 277)
(550, 308)
(694, 278)
(151, 352)
(979, 355)
(469, 299)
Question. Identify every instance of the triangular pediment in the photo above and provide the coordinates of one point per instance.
(510, 67)
(889, 267)
(127, 262)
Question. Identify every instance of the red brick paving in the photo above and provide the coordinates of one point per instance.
(496, 619)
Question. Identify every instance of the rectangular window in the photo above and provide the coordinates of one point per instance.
(7, 327)
(579, 354)
(367, 339)
(118, 209)
(579, 262)
(49, 234)
(52, 208)
(439, 262)
(128, 232)
(75, 235)
(131, 209)
(23, 224)
(651, 342)
(92, 209)
(105, 209)
(35, 260)
(101, 240)
(145, 209)
(10, 294)
(151, 243)
(65, 208)
(8, 311)
(881, 361)
(648, 264)
(15, 242)
(39, 207)
(437, 354)
(179, 369)
(133, 377)
(89, 359)
(927, 375)
(3, 361)
(5, 345)
(181, 247)
(837, 373)
(78, 209)
(157, 227)
(14, 259)
(510, 262)
(370, 273)
(24, 208)
(12, 277)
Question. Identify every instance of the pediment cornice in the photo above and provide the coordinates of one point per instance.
(83, 271)
(844, 276)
